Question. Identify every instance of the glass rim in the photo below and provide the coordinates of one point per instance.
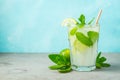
(91, 26)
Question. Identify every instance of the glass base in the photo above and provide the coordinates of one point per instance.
(83, 68)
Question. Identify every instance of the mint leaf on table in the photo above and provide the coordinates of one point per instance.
(55, 67)
(58, 59)
(105, 64)
(65, 70)
(100, 61)
(84, 39)
(61, 60)
(61, 68)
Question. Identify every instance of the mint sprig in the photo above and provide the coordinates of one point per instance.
(80, 24)
(100, 61)
(58, 59)
(62, 64)
(82, 19)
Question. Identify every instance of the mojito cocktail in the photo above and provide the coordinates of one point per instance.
(83, 39)
(83, 45)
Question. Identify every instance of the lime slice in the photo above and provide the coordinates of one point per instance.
(66, 53)
(69, 22)
(79, 46)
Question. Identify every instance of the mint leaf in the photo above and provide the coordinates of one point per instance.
(82, 19)
(65, 70)
(106, 65)
(56, 67)
(98, 66)
(91, 21)
(93, 36)
(84, 39)
(58, 59)
(73, 31)
(100, 61)
(98, 56)
(62, 61)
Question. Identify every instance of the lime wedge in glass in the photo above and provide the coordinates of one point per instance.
(79, 46)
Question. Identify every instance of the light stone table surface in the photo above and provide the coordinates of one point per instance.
(31, 66)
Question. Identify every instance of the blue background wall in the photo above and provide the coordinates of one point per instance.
(35, 25)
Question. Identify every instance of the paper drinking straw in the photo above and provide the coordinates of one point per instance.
(98, 17)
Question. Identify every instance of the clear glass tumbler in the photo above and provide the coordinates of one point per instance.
(83, 45)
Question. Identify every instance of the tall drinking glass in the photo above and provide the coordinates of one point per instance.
(83, 46)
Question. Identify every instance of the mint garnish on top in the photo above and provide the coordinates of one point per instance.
(80, 24)
(91, 37)
(82, 19)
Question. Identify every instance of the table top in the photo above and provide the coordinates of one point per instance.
(30, 66)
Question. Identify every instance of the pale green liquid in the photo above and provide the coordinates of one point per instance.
(83, 58)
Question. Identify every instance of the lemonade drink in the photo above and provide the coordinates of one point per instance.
(83, 55)
(83, 39)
